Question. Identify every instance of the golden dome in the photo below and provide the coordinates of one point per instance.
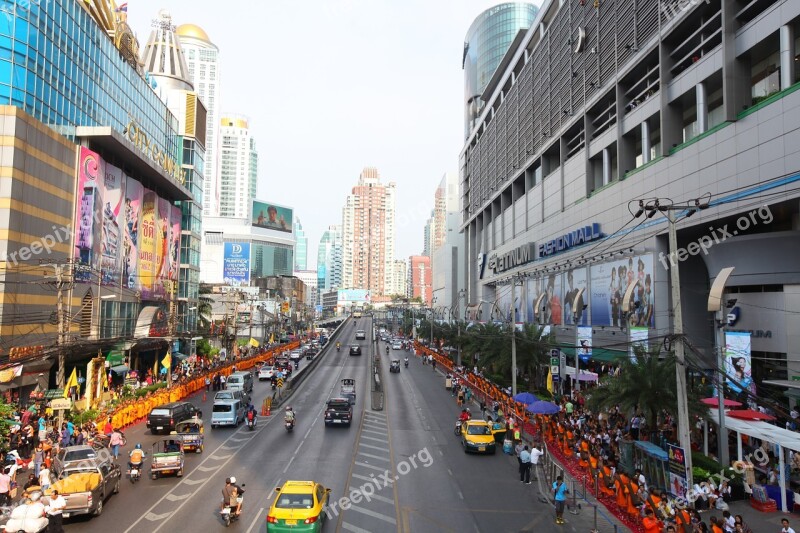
(192, 30)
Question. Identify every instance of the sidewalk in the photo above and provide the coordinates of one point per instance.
(759, 522)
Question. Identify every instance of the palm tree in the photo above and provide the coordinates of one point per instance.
(204, 309)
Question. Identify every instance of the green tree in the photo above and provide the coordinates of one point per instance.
(204, 309)
(6, 420)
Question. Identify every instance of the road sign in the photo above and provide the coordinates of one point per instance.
(279, 383)
(554, 369)
(556, 378)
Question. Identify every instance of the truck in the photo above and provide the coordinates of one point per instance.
(85, 483)
(338, 412)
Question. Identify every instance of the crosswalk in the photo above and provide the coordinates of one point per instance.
(369, 499)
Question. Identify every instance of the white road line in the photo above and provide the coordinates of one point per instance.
(288, 464)
(156, 517)
(460, 495)
(379, 448)
(365, 478)
(255, 520)
(365, 465)
(373, 514)
(191, 482)
(207, 468)
(354, 529)
(365, 454)
(221, 457)
(380, 498)
(376, 432)
(177, 497)
(449, 471)
(373, 438)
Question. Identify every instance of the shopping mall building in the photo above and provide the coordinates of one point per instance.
(603, 104)
(99, 201)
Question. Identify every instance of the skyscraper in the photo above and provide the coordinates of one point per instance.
(447, 261)
(202, 60)
(400, 278)
(369, 232)
(488, 39)
(427, 236)
(301, 248)
(329, 260)
(238, 167)
(420, 277)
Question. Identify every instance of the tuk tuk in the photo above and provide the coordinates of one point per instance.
(348, 389)
(395, 366)
(167, 457)
(191, 434)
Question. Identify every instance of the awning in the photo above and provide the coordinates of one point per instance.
(120, 369)
(152, 322)
(602, 355)
(116, 356)
(761, 430)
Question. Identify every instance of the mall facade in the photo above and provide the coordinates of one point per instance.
(695, 104)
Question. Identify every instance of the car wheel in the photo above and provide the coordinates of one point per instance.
(99, 509)
(180, 472)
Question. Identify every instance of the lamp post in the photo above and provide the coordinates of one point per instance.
(433, 318)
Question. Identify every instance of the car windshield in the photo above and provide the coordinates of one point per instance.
(478, 430)
(224, 396)
(237, 379)
(79, 455)
(160, 412)
(222, 408)
(295, 501)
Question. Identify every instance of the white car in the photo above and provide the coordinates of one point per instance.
(397, 346)
(266, 372)
(296, 355)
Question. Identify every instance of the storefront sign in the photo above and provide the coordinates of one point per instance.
(570, 240)
(60, 404)
(516, 257)
(143, 142)
(25, 352)
(754, 333)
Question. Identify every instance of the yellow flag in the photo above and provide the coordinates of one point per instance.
(272, 338)
(155, 369)
(167, 361)
(550, 382)
(254, 343)
(71, 382)
(104, 381)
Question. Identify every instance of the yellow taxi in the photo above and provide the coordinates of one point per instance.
(299, 506)
(477, 437)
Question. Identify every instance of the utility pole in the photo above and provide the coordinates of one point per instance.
(513, 337)
(60, 378)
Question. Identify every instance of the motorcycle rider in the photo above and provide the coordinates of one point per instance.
(230, 493)
(465, 415)
(251, 414)
(406, 361)
(338, 346)
(288, 415)
(136, 457)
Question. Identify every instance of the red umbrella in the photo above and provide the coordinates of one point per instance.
(750, 414)
(714, 402)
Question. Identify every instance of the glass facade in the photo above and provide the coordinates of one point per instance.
(192, 213)
(271, 260)
(487, 41)
(59, 66)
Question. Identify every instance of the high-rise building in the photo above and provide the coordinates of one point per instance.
(400, 279)
(174, 86)
(420, 278)
(427, 236)
(329, 260)
(202, 60)
(309, 278)
(238, 167)
(447, 261)
(368, 232)
(301, 248)
(490, 36)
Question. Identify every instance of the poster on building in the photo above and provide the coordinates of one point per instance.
(130, 252)
(532, 293)
(147, 245)
(163, 241)
(639, 337)
(113, 225)
(584, 346)
(610, 280)
(501, 310)
(88, 216)
(575, 280)
(272, 216)
(175, 246)
(676, 466)
(737, 361)
(552, 304)
(236, 263)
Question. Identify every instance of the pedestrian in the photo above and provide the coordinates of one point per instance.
(54, 510)
(44, 478)
(517, 436)
(38, 459)
(560, 491)
(460, 397)
(525, 466)
(33, 481)
(208, 383)
(115, 442)
(42, 428)
(483, 408)
(651, 523)
(728, 522)
(786, 527)
(108, 429)
(222, 381)
(5, 487)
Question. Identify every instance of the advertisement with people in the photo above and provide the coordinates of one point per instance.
(584, 348)
(532, 294)
(609, 283)
(737, 361)
(576, 308)
(130, 253)
(112, 226)
(678, 486)
(175, 247)
(271, 216)
(162, 247)
(88, 216)
(147, 248)
(552, 304)
(236, 263)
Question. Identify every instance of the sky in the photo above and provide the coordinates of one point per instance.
(333, 86)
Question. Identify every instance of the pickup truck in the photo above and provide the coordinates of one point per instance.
(338, 412)
(85, 484)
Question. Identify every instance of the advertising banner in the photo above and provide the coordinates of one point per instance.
(113, 225)
(236, 263)
(175, 247)
(147, 248)
(677, 472)
(353, 295)
(640, 337)
(609, 282)
(271, 216)
(532, 293)
(737, 361)
(584, 348)
(162, 247)
(552, 305)
(88, 215)
(501, 311)
(130, 253)
(574, 282)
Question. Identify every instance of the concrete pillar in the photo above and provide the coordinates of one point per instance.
(645, 142)
(787, 56)
(702, 108)
(606, 166)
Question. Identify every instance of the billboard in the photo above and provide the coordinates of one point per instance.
(532, 293)
(130, 251)
(147, 245)
(574, 281)
(737, 361)
(163, 244)
(552, 304)
(609, 282)
(640, 336)
(353, 295)
(112, 225)
(175, 246)
(584, 343)
(236, 263)
(88, 214)
(271, 216)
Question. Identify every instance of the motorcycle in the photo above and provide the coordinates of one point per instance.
(289, 425)
(229, 511)
(296, 365)
(405, 361)
(251, 423)
(338, 348)
(458, 428)
(135, 472)
(274, 384)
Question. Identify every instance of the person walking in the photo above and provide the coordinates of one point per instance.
(525, 466)
(115, 442)
(54, 510)
(560, 491)
(208, 383)
(785, 527)
(5, 488)
(536, 453)
(38, 459)
(44, 478)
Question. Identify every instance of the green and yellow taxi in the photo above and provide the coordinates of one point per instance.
(298, 506)
(477, 437)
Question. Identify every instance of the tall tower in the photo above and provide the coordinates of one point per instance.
(163, 57)
(329, 260)
(202, 60)
(301, 246)
(238, 167)
(369, 232)
(487, 41)
(427, 246)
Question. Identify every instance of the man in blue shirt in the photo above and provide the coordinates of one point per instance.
(560, 489)
(525, 466)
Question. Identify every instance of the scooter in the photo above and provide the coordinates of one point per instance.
(251, 423)
(289, 425)
(135, 472)
(458, 428)
(229, 511)
(338, 348)
(296, 365)
(405, 361)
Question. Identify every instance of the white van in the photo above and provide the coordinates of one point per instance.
(242, 381)
(227, 413)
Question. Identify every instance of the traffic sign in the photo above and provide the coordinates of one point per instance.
(556, 378)
(554, 369)
(279, 383)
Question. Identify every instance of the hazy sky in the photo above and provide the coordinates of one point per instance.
(332, 86)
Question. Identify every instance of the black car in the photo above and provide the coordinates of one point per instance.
(338, 412)
(355, 350)
(395, 366)
(164, 418)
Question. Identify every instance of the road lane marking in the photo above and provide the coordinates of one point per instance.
(191, 482)
(376, 432)
(253, 523)
(366, 465)
(373, 438)
(373, 514)
(288, 464)
(379, 448)
(177, 497)
(365, 454)
(207, 468)
(354, 529)
(156, 517)
(221, 457)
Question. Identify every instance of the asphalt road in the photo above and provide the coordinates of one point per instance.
(400, 469)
